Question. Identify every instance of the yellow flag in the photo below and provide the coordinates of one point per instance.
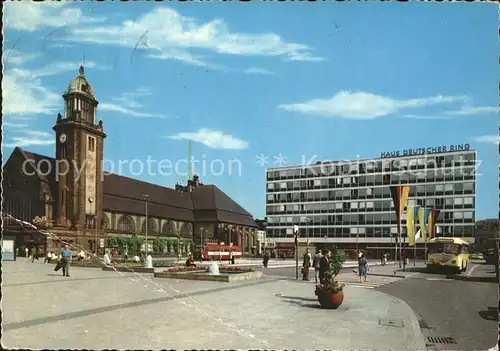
(405, 191)
(421, 221)
(410, 226)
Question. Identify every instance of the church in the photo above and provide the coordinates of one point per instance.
(85, 208)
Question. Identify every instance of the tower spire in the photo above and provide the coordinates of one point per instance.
(82, 69)
(190, 161)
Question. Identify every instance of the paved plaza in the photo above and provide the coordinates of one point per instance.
(93, 309)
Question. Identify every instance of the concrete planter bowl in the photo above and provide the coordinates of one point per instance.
(224, 276)
(329, 300)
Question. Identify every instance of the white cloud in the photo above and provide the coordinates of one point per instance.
(128, 111)
(31, 138)
(24, 16)
(304, 56)
(475, 110)
(212, 138)
(169, 35)
(411, 116)
(24, 94)
(16, 57)
(489, 139)
(362, 105)
(14, 125)
(57, 68)
(127, 104)
(257, 70)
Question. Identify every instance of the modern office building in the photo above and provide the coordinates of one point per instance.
(349, 204)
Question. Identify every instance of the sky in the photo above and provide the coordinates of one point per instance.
(250, 82)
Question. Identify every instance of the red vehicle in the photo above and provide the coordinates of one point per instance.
(214, 251)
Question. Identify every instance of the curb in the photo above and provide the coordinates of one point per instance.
(419, 343)
(473, 279)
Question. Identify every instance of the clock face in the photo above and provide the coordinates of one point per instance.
(91, 199)
(62, 138)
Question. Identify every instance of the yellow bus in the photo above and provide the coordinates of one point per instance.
(448, 254)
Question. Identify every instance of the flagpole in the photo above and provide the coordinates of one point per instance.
(415, 253)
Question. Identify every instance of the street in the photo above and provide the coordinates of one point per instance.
(463, 310)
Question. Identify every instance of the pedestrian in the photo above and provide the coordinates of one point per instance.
(306, 264)
(81, 255)
(265, 261)
(316, 260)
(33, 254)
(231, 259)
(362, 267)
(324, 264)
(26, 251)
(190, 261)
(107, 258)
(66, 257)
(384, 259)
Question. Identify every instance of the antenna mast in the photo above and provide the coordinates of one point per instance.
(190, 161)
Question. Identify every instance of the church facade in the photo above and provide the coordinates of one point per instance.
(81, 204)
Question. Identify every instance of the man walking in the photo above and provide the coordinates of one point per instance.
(324, 264)
(305, 265)
(316, 260)
(66, 256)
(34, 254)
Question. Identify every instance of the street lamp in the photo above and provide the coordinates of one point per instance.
(264, 224)
(308, 220)
(201, 243)
(91, 200)
(296, 238)
(96, 234)
(146, 261)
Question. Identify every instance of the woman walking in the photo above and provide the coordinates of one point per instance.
(362, 267)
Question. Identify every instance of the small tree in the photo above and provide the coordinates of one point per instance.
(337, 260)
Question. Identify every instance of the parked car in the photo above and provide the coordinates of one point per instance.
(491, 256)
(476, 256)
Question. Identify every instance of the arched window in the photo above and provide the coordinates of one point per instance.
(105, 222)
(168, 229)
(126, 224)
(152, 229)
(187, 230)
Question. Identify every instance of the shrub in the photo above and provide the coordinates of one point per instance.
(178, 269)
(337, 260)
(164, 264)
(235, 269)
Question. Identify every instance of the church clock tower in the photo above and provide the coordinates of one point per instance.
(79, 156)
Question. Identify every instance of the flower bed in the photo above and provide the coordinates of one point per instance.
(235, 269)
(180, 269)
(165, 264)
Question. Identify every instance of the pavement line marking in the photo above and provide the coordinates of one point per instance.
(472, 270)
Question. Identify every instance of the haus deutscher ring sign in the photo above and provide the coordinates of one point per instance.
(426, 150)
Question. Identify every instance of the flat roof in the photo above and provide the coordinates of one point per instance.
(374, 159)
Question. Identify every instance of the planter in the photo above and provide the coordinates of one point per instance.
(329, 300)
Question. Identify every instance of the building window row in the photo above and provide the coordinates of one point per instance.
(350, 182)
(377, 205)
(360, 232)
(378, 192)
(374, 166)
(365, 218)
